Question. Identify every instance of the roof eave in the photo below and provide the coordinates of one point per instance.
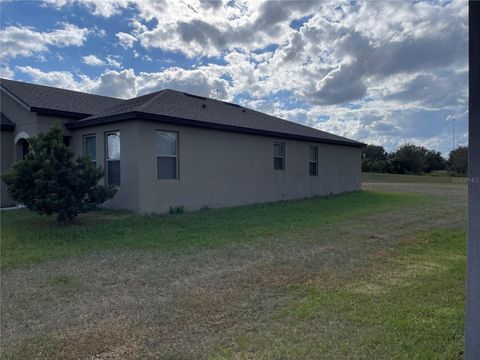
(61, 113)
(7, 127)
(196, 123)
(103, 120)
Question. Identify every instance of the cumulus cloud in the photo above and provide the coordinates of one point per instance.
(6, 72)
(110, 61)
(126, 84)
(105, 8)
(62, 79)
(92, 60)
(381, 72)
(25, 41)
(201, 81)
(126, 40)
(121, 84)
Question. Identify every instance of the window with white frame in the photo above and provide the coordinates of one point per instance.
(313, 161)
(167, 155)
(279, 156)
(112, 140)
(90, 147)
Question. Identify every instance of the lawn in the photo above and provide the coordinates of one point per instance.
(375, 274)
(435, 177)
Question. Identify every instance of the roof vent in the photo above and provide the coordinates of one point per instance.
(243, 110)
(204, 106)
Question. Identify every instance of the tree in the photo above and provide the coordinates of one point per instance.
(434, 161)
(374, 159)
(457, 163)
(50, 181)
(409, 159)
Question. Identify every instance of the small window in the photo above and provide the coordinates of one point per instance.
(167, 155)
(313, 161)
(90, 147)
(279, 156)
(113, 157)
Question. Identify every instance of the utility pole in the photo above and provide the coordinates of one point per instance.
(472, 307)
(453, 133)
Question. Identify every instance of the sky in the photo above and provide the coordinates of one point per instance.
(385, 73)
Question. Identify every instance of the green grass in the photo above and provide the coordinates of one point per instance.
(29, 238)
(61, 280)
(399, 178)
(367, 275)
(409, 304)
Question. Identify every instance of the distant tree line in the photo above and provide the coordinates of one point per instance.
(412, 159)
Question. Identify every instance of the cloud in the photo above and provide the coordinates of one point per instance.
(62, 79)
(201, 81)
(92, 60)
(25, 41)
(121, 84)
(117, 84)
(110, 61)
(126, 40)
(432, 40)
(6, 72)
(126, 84)
(113, 61)
(105, 8)
(382, 72)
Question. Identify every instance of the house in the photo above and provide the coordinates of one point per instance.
(170, 148)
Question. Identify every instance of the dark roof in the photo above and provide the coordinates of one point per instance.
(168, 106)
(55, 101)
(6, 123)
(186, 109)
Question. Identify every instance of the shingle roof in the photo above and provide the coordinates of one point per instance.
(182, 108)
(166, 106)
(6, 123)
(50, 99)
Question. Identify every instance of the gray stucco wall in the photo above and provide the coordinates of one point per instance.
(26, 122)
(128, 193)
(6, 143)
(218, 169)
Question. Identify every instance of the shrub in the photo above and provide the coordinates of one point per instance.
(176, 209)
(49, 180)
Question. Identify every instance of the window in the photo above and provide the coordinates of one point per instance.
(279, 156)
(113, 157)
(167, 155)
(313, 161)
(90, 147)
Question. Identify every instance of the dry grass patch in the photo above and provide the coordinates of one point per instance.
(112, 340)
